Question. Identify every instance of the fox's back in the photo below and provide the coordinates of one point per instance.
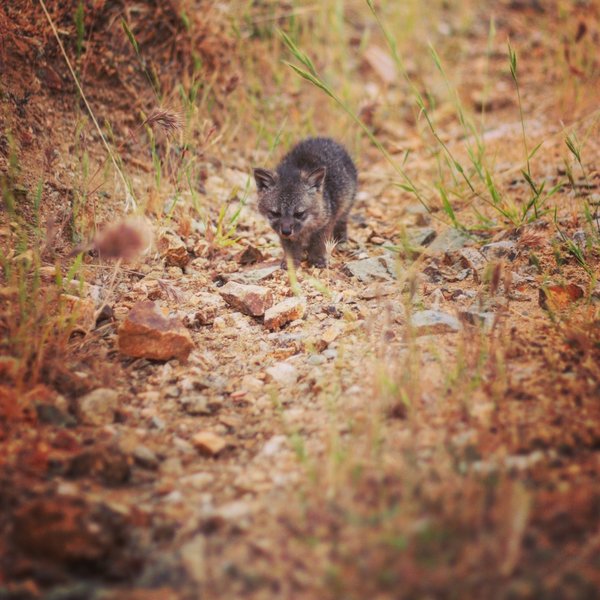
(311, 153)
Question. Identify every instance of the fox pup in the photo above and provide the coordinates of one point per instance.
(308, 197)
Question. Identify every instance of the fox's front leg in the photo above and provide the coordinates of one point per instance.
(317, 252)
(291, 251)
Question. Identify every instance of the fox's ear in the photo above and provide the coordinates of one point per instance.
(264, 178)
(315, 178)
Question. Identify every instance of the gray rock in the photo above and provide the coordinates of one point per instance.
(157, 423)
(368, 270)
(97, 407)
(427, 322)
(421, 236)
(145, 457)
(450, 239)
(497, 250)
(283, 373)
(254, 276)
(316, 359)
(472, 258)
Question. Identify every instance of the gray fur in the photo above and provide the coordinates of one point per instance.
(308, 197)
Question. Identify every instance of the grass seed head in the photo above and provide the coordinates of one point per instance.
(123, 240)
(165, 120)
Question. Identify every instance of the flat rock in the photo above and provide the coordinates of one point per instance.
(283, 373)
(255, 275)
(145, 457)
(497, 250)
(368, 270)
(558, 297)
(147, 333)
(450, 239)
(284, 312)
(209, 443)
(97, 407)
(251, 300)
(427, 322)
(472, 258)
(421, 236)
(172, 249)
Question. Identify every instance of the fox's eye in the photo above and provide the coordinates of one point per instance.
(299, 214)
(274, 214)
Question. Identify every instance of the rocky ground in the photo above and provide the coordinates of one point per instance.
(420, 419)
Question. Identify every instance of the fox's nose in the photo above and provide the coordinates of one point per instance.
(286, 230)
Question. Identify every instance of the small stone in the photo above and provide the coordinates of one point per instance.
(249, 256)
(98, 407)
(283, 373)
(368, 270)
(183, 445)
(195, 405)
(282, 313)
(497, 250)
(208, 443)
(377, 290)
(251, 300)
(421, 236)
(157, 423)
(331, 334)
(147, 333)
(174, 272)
(235, 511)
(172, 249)
(472, 258)
(145, 457)
(193, 558)
(107, 464)
(450, 239)
(316, 359)
(198, 481)
(251, 383)
(482, 319)
(431, 322)
(207, 309)
(276, 445)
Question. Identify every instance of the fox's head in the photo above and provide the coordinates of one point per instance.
(292, 200)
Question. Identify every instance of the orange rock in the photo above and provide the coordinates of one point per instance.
(288, 310)
(252, 300)
(147, 333)
(208, 443)
(558, 297)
